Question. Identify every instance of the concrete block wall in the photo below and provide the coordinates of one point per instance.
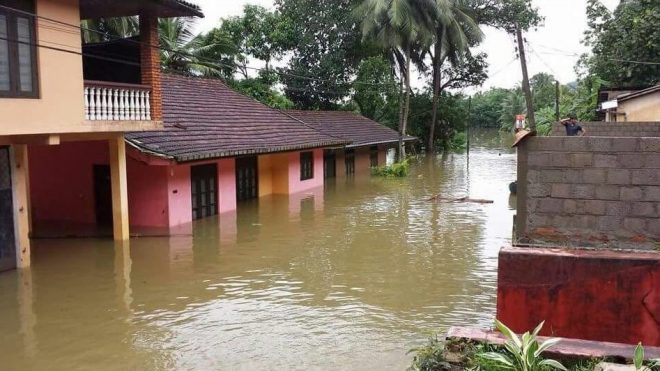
(614, 129)
(589, 191)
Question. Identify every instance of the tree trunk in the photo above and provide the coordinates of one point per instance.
(401, 109)
(406, 110)
(437, 74)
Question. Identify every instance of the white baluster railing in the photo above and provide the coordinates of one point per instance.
(105, 101)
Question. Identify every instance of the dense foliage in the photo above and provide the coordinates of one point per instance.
(625, 44)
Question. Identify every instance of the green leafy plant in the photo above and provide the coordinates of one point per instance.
(429, 357)
(638, 360)
(396, 170)
(638, 357)
(523, 353)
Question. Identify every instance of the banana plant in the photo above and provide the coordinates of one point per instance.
(523, 353)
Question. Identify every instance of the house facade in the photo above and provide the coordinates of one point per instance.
(50, 110)
(218, 148)
(634, 106)
(369, 141)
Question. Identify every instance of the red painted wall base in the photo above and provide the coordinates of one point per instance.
(581, 294)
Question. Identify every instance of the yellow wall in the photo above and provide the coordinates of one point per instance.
(60, 107)
(280, 173)
(644, 108)
(265, 175)
(273, 174)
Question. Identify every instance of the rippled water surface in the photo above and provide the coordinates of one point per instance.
(346, 278)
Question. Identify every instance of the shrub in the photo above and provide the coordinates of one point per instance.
(523, 353)
(398, 170)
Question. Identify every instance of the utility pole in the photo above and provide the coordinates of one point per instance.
(468, 126)
(557, 101)
(525, 84)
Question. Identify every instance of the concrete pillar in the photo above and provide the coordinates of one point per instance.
(119, 188)
(20, 175)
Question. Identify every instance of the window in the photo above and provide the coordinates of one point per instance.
(373, 156)
(18, 67)
(306, 165)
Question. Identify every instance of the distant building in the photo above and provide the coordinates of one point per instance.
(369, 140)
(633, 106)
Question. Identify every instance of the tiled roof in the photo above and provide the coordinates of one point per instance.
(205, 119)
(360, 130)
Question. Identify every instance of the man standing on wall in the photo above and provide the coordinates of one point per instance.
(572, 127)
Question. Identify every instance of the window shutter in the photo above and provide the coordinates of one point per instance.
(5, 84)
(24, 35)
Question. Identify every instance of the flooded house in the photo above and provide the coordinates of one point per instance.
(370, 141)
(633, 106)
(52, 114)
(218, 148)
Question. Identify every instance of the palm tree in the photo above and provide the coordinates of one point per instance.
(455, 31)
(106, 29)
(184, 52)
(514, 104)
(400, 26)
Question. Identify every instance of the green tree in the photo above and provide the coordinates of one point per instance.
(258, 33)
(400, 26)
(512, 105)
(325, 50)
(375, 90)
(625, 44)
(543, 90)
(487, 108)
(106, 29)
(455, 31)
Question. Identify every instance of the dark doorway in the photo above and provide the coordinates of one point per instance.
(103, 195)
(247, 178)
(349, 161)
(7, 241)
(204, 191)
(329, 165)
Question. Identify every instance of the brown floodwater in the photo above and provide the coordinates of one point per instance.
(350, 277)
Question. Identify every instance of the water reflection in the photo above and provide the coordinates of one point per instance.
(348, 277)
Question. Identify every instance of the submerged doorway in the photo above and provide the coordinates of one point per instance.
(103, 195)
(247, 179)
(204, 192)
(329, 165)
(7, 240)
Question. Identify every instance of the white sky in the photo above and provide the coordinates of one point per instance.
(550, 47)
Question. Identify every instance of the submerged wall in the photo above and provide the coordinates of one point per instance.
(594, 295)
(589, 191)
(62, 181)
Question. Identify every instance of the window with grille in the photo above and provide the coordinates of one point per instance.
(18, 66)
(306, 165)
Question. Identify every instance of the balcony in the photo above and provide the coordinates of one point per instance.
(110, 101)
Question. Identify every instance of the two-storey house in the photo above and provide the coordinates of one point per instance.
(50, 108)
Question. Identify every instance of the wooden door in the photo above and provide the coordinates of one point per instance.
(247, 178)
(204, 190)
(7, 241)
(329, 165)
(349, 161)
(103, 195)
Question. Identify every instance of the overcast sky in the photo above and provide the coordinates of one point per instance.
(552, 48)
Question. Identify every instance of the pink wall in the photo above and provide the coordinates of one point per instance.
(62, 181)
(179, 195)
(295, 184)
(147, 194)
(227, 185)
